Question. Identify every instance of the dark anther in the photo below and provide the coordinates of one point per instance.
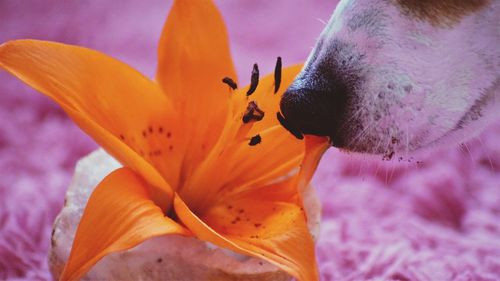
(230, 82)
(253, 113)
(254, 80)
(289, 127)
(277, 75)
(255, 140)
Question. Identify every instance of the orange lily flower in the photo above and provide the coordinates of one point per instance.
(200, 158)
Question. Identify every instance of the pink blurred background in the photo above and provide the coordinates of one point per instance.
(435, 216)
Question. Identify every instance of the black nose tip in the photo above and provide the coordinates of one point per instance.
(315, 112)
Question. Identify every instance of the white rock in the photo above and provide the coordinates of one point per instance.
(170, 257)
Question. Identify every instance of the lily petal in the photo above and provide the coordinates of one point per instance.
(258, 224)
(315, 148)
(161, 196)
(122, 105)
(118, 216)
(193, 58)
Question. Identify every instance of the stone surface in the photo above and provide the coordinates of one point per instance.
(170, 257)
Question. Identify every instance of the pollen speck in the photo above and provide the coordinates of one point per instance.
(255, 140)
(252, 113)
(230, 82)
(254, 80)
(277, 75)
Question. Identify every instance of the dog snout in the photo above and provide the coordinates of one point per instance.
(315, 111)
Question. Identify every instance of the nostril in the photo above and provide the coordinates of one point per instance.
(315, 112)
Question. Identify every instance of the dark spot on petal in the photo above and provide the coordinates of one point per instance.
(122, 137)
(241, 211)
(229, 207)
(144, 133)
(257, 225)
(150, 129)
(160, 130)
(169, 134)
(159, 260)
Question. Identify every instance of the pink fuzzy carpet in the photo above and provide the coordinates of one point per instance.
(436, 217)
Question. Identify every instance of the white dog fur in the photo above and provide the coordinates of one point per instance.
(418, 80)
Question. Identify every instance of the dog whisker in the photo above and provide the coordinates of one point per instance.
(322, 21)
(487, 154)
(470, 154)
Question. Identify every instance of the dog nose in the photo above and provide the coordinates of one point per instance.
(318, 112)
